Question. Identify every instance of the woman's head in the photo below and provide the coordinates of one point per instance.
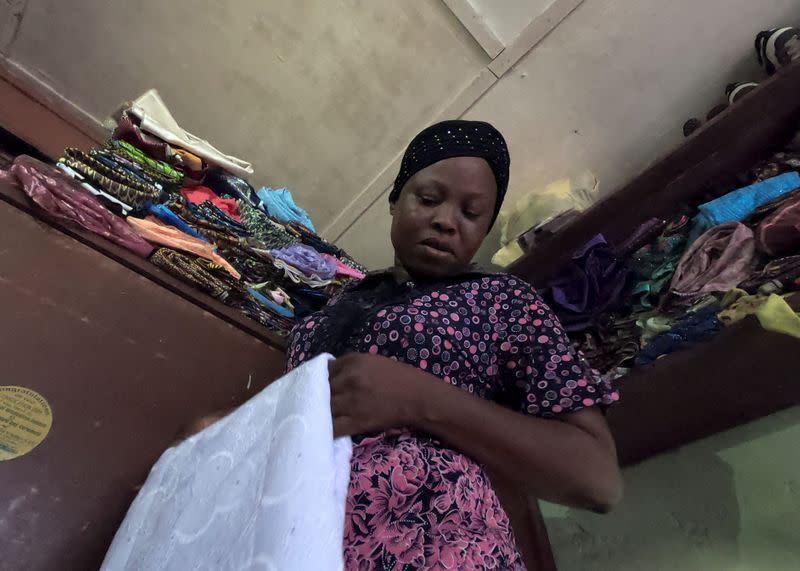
(451, 184)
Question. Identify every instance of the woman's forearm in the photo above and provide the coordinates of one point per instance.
(568, 462)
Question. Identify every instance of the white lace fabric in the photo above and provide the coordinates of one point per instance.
(262, 489)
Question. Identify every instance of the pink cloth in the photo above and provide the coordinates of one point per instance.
(718, 261)
(67, 201)
(779, 233)
(152, 229)
(343, 269)
(200, 194)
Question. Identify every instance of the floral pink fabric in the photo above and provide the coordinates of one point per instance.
(414, 503)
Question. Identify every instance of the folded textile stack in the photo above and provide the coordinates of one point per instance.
(714, 263)
(166, 194)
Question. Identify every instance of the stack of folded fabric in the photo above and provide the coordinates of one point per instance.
(168, 195)
(711, 265)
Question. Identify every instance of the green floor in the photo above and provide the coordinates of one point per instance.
(730, 502)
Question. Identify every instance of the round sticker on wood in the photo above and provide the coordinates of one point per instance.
(25, 420)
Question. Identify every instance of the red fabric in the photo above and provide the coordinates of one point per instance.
(200, 194)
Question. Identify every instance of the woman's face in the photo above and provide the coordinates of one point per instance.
(442, 215)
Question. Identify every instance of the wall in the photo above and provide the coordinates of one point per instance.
(608, 90)
(508, 18)
(730, 502)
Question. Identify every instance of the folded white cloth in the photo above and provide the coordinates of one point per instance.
(155, 118)
(263, 488)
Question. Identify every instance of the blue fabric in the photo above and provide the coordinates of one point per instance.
(279, 204)
(169, 217)
(696, 327)
(737, 205)
(279, 309)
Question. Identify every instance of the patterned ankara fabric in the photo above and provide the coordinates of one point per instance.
(157, 168)
(414, 503)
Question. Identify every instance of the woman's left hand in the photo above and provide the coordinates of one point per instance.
(370, 393)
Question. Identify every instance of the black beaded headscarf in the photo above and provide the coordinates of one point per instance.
(457, 138)
(340, 322)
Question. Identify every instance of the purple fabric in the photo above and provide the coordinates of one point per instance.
(307, 260)
(779, 233)
(590, 285)
(66, 200)
(717, 261)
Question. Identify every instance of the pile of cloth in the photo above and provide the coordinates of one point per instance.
(171, 197)
(678, 282)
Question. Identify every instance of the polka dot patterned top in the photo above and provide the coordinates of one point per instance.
(493, 336)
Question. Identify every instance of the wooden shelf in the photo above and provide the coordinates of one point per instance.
(744, 372)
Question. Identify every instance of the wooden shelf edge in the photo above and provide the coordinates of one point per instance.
(742, 374)
(17, 198)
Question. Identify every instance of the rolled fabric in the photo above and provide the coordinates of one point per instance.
(717, 261)
(737, 205)
(65, 199)
(779, 233)
(307, 260)
(692, 329)
(781, 273)
(155, 231)
(163, 213)
(200, 194)
(279, 204)
(188, 160)
(159, 168)
(224, 183)
(343, 269)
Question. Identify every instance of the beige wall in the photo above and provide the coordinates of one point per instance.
(507, 18)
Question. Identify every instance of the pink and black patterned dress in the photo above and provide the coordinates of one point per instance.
(414, 503)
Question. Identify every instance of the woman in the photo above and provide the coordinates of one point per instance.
(444, 374)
